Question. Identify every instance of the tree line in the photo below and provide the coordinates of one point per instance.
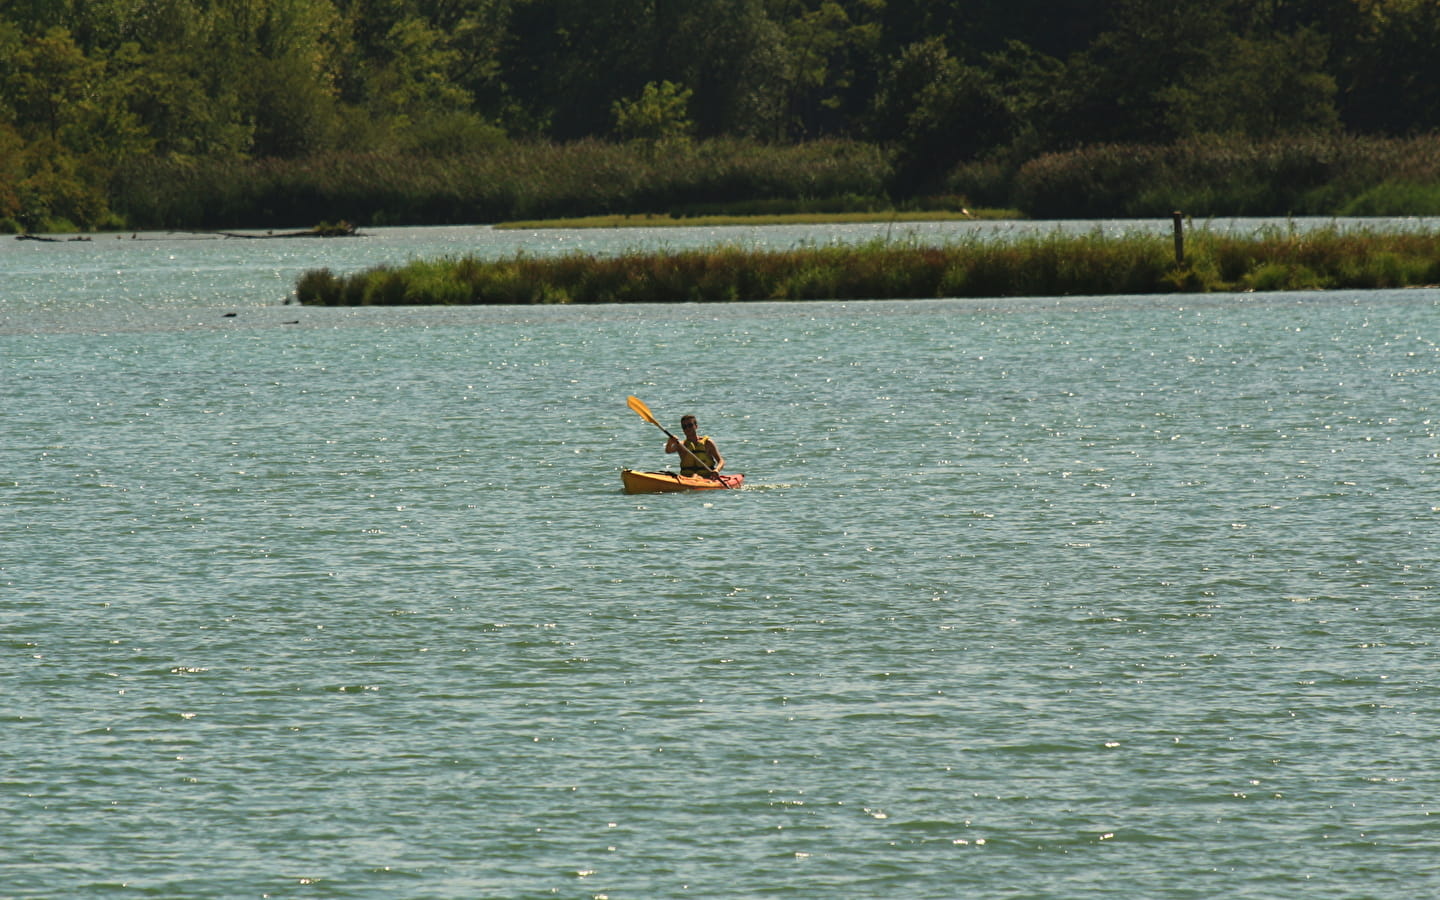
(90, 89)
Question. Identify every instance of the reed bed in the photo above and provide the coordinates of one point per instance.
(506, 181)
(1044, 265)
(1332, 174)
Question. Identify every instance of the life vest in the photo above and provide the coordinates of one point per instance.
(688, 466)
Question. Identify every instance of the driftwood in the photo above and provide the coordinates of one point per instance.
(50, 240)
(341, 229)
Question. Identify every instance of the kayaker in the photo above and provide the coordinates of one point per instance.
(700, 456)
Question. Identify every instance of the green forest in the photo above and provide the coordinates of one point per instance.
(206, 113)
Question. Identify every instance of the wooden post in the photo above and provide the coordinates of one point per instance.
(1179, 219)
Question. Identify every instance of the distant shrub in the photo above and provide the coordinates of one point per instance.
(319, 287)
(1395, 199)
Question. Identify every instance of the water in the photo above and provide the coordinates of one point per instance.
(1045, 598)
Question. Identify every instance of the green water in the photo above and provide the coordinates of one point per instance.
(1027, 598)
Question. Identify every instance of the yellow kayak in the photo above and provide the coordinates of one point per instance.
(669, 482)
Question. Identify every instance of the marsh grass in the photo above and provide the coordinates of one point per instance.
(1053, 264)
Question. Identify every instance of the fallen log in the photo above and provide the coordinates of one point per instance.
(340, 229)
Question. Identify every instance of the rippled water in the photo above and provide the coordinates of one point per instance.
(1027, 598)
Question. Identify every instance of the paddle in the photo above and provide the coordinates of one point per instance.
(639, 406)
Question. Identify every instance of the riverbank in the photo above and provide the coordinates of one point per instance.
(1041, 265)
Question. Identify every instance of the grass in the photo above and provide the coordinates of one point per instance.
(1039, 265)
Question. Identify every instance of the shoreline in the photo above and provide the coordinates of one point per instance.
(661, 220)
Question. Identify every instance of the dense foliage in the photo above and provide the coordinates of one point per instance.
(92, 90)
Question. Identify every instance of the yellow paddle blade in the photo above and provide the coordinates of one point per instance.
(644, 411)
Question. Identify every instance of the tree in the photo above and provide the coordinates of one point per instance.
(935, 112)
(570, 60)
(1119, 88)
(12, 173)
(826, 49)
(287, 49)
(48, 83)
(660, 115)
(1393, 69)
(1259, 88)
(741, 74)
(415, 76)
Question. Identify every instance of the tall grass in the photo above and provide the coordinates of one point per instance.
(1322, 175)
(1212, 176)
(1042, 265)
(497, 183)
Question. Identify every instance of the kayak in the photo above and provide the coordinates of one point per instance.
(669, 482)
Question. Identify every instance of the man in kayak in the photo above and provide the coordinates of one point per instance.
(698, 453)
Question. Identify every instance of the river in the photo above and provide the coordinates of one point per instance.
(1041, 598)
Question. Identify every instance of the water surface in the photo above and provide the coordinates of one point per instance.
(1065, 597)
